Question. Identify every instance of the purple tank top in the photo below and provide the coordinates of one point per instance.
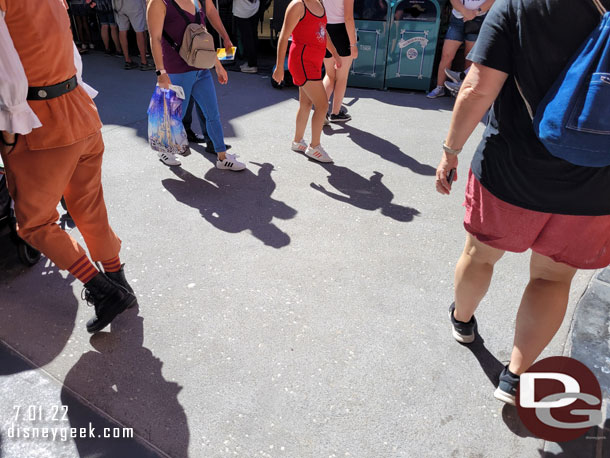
(175, 25)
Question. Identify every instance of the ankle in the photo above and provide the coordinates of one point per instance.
(461, 316)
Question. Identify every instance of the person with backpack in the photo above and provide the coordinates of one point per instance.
(519, 194)
(168, 20)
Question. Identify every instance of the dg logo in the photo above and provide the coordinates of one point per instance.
(559, 399)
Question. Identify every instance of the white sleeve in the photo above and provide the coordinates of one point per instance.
(78, 63)
(16, 116)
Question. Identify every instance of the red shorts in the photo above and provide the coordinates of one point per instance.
(305, 63)
(579, 241)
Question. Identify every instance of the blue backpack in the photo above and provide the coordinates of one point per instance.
(573, 119)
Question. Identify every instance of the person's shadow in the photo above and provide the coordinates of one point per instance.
(234, 203)
(125, 379)
(383, 148)
(371, 194)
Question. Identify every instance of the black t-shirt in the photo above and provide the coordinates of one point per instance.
(534, 40)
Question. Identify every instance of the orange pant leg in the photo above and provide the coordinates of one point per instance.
(38, 178)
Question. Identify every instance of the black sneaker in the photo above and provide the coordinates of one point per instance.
(462, 332)
(507, 388)
(341, 117)
(130, 65)
(118, 278)
(147, 66)
(209, 147)
(195, 138)
(108, 298)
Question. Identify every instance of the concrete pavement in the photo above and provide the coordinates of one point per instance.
(291, 310)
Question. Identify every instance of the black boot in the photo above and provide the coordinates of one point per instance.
(108, 298)
(119, 278)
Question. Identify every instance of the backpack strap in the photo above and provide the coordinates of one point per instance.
(600, 7)
(169, 39)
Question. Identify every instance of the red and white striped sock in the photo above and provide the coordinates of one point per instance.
(83, 269)
(112, 265)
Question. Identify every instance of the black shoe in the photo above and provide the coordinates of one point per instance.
(130, 65)
(507, 388)
(209, 147)
(462, 332)
(195, 138)
(147, 66)
(118, 278)
(341, 117)
(108, 298)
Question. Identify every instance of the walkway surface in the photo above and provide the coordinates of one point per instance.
(291, 310)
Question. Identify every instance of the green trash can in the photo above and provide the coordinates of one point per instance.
(372, 23)
(412, 43)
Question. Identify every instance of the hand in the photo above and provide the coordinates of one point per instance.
(448, 162)
(221, 73)
(469, 15)
(354, 51)
(228, 44)
(278, 74)
(163, 81)
(8, 138)
(337, 59)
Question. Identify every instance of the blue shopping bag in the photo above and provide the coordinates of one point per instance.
(165, 130)
(573, 120)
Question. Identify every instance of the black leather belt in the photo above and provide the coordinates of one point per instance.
(50, 92)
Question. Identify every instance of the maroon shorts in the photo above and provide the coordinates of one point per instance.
(579, 241)
(305, 63)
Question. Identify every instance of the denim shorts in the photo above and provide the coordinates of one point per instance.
(106, 17)
(456, 30)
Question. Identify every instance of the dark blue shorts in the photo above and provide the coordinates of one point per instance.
(106, 17)
(456, 30)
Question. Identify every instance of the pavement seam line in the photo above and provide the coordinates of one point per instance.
(84, 400)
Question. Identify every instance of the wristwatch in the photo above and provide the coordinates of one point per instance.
(161, 72)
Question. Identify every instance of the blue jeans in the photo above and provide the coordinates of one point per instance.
(201, 86)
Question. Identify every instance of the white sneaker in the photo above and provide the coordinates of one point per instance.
(299, 147)
(453, 88)
(245, 68)
(230, 163)
(318, 154)
(168, 158)
(456, 77)
(438, 91)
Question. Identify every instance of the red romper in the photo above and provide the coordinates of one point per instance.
(308, 48)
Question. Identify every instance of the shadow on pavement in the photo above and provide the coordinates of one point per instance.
(594, 443)
(235, 202)
(126, 379)
(488, 362)
(383, 148)
(365, 194)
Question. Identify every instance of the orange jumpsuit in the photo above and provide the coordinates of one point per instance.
(64, 156)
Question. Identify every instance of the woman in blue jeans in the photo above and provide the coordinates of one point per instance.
(164, 16)
(464, 11)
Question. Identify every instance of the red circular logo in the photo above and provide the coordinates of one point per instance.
(559, 399)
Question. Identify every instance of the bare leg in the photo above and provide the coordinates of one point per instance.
(450, 48)
(316, 93)
(330, 77)
(124, 44)
(141, 39)
(542, 309)
(114, 33)
(341, 83)
(104, 31)
(305, 104)
(472, 276)
(468, 45)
